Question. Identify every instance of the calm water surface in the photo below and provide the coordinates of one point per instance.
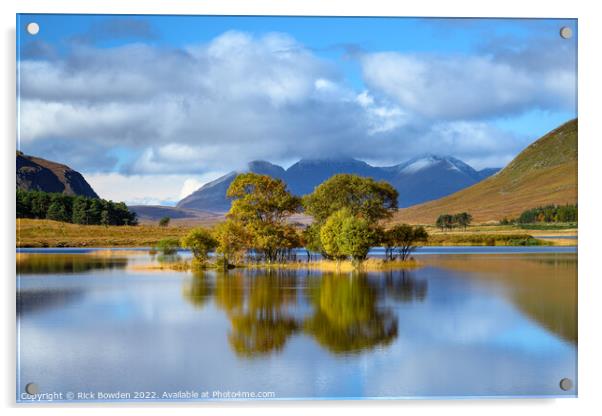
(484, 321)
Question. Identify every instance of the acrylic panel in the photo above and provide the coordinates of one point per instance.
(266, 208)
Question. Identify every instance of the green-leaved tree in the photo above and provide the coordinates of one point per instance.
(363, 197)
(200, 242)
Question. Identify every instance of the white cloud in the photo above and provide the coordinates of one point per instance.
(147, 189)
(381, 117)
(232, 100)
(467, 87)
(190, 185)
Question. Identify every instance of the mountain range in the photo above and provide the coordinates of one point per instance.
(420, 179)
(542, 174)
(37, 174)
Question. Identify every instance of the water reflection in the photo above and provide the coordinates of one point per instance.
(544, 287)
(345, 313)
(39, 300)
(198, 291)
(68, 263)
(402, 286)
(504, 324)
(258, 310)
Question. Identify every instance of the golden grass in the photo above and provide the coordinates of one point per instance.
(562, 241)
(369, 265)
(346, 266)
(180, 266)
(484, 239)
(46, 233)
(500, 229)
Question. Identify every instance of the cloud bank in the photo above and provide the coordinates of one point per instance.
(141, 109)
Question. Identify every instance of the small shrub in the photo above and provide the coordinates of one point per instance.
(168, 246)
(200, 241)
(529, 241)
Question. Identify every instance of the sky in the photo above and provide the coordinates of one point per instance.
(149, 108)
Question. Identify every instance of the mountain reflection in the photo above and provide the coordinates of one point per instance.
(344, 313)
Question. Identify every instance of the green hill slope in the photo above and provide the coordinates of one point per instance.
(544, 173)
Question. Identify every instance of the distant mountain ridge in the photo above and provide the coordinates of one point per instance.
(420, 179)
(152, 213)
(37, 174)
(542, 174)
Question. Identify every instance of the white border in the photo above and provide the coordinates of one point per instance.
(590, 153)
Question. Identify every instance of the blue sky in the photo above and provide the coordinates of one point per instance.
(173, 101)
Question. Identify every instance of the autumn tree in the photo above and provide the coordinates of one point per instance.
(401, 240)
(232, 240)
(262, 205)
(363, 197)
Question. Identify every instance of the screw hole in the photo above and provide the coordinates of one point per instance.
(566, 32)
(33, 28)
(31, 388)
(566, 384)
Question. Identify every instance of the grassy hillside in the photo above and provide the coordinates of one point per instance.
(544, 173)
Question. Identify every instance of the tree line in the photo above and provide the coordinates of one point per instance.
(347, 211)
(73, 209)
(549, 213)
(451, 221)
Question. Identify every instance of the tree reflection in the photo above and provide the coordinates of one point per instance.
(199, 290)
(258, 311)
(402, 286)
(346, 317)
(343, 313)
(67, 263)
